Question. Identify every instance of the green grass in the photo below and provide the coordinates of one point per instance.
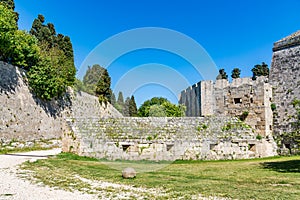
(271, 178)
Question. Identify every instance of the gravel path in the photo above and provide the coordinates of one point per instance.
(13, 187)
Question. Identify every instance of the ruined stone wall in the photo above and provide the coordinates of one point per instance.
(165, 139)
(24, 118)
(241, 98)
(285, 79)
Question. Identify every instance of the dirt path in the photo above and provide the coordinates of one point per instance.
(13, 187)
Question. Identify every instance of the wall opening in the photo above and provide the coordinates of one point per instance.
(237, 100)
(169, 146)
(212, 146)
(125, 147)
(252, 147)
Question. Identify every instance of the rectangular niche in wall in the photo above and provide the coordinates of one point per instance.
(252, 147)
(125, 146)
(237, 100)
(169, 146)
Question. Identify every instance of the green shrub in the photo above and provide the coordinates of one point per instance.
(258, 137)
(273, 106)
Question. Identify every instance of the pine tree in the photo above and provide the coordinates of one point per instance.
(236, 72)
(260, 70)
(222, 75)
(103, 90)
(91, 78)
(9, 3)
(126, 107)
(120, 98)
(132, 107)
(113, 99)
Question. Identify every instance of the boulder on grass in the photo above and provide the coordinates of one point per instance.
(129, 173)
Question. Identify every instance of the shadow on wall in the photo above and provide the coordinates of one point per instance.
(8, 78)
(56, 106)
(12, 77)
(291, 166)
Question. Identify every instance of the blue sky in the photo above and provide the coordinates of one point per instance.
(235, 33)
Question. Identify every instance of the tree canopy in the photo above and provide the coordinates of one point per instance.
(236, 73)
(132, 107)
(56, 69)
(103, 90)
(47, 57)
(222, 75)
(91, 78)
(162, 106)
(260, 70)
(17, 47)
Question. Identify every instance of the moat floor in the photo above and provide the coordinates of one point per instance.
(13, 186)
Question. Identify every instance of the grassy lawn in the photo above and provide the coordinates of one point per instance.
(272, 178)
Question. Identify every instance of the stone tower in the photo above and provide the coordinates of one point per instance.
(243, 98)
(285, 79)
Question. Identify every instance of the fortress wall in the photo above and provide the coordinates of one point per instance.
(165, 139)
(285, 79)
(235, 99)
(23, 117)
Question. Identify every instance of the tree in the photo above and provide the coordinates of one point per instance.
(120, 98)
(46, 35)
(17, 47)
(236, 72)
(91, 78)
(113, 99)
(103, 90)
(50, 78)
(143, 111)
(173, 110)
(126, 107)
(10, 4)
(222, 75)
(132, 107)
(170, 109)
(260, 70)
(157, 111)
(56, 70)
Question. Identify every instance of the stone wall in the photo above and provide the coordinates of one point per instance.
(285, 79)
(241, 98)
(166, 139)
(24, 118)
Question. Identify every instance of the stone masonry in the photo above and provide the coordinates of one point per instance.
(243, 98)
(26, 119)
(285, 79)
(208, 138)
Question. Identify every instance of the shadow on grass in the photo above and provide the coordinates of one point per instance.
(284, 166)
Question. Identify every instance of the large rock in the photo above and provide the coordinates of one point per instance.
(129, 173)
